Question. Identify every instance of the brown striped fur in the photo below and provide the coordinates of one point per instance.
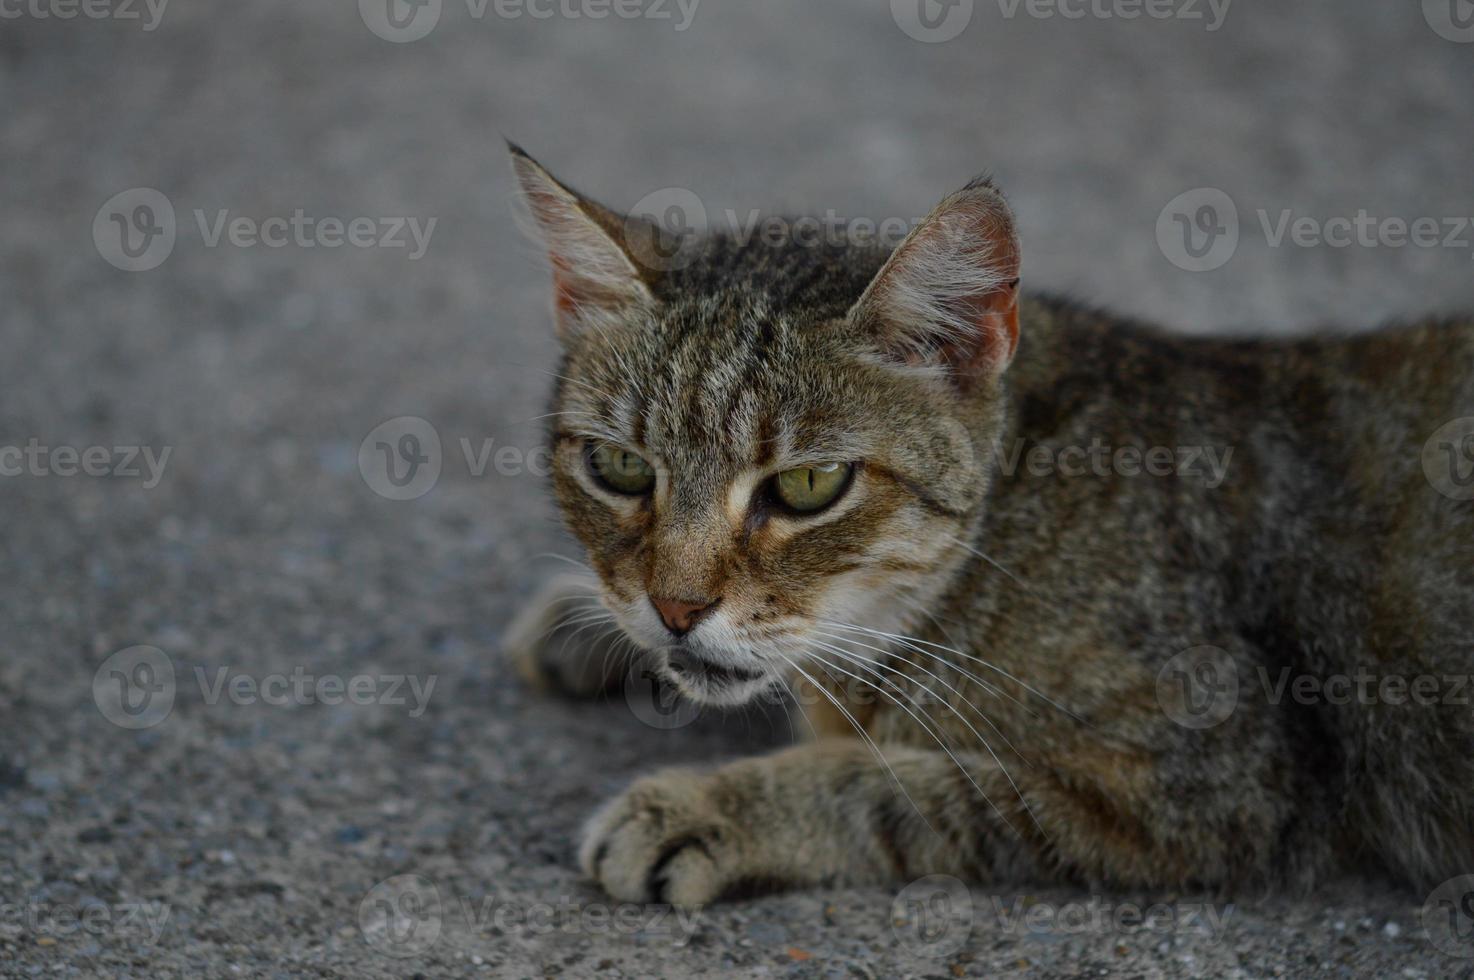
(1043, 608)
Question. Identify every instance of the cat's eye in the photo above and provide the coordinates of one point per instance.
(807, 489)
(621, 470)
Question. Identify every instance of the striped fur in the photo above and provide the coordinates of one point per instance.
(990, 641)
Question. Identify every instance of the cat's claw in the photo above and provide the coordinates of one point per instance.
(662, 842)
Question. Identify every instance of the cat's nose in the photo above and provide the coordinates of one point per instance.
(680, 616)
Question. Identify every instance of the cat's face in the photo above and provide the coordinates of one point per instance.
(757, 459)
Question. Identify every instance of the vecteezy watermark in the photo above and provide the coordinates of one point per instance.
(142, 922)
(402, 458)
(120, 462)
(1103, 915)
(406, 916)
(1448, 916)
(1452, 20)
(1200, 230)
(664, 229)
(136, 230)
(1448, 459)
(936, 915)
(1365, 685)
(147, 12)
(1207, 465)
(402, 21)
(1211, 12)
(1199, 687)
(137, 688)
(935, 21)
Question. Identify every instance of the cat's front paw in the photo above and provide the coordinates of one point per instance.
(661, 841)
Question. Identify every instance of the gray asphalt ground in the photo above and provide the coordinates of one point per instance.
(243, 836)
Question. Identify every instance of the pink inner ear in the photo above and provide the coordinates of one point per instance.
(996, 316)
(566, 295)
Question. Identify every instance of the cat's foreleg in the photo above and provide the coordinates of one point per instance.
(564, 641)
(824, 813)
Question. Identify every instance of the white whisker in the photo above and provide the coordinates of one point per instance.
(910, 640)
(917, 718)
(858, 658)
(864, 735)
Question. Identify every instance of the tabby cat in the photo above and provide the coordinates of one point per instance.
(1071, 598)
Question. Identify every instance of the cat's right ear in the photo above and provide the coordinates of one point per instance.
(596, 280)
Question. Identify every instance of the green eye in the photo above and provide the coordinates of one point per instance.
(621, 470)
(810, 488)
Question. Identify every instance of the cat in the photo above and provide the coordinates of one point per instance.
(1090, 656)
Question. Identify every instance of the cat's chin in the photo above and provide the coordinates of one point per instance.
(707, 682)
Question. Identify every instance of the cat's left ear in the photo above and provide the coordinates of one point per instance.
(595, 278)
(948, 295)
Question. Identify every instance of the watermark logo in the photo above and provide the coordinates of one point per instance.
(1448, 459)
(655, 701)
(400, 21)
(1448, 916)
(135, 230)
(400, 459)
(134, 688)
(933, 916)
(1452, 20)
(1199, 688)
(663, 229)
(1198, 231)
(401, 916)
(932, 21)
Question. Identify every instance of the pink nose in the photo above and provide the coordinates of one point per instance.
(680, 616)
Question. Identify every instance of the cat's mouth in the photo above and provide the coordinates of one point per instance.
(703, 679)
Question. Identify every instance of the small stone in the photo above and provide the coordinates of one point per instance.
(350, 834)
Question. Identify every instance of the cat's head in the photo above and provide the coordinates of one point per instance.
(773, 443)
